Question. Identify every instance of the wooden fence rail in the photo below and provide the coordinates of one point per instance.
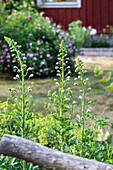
(48, 158)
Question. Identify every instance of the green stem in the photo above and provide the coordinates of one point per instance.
(83, 111)
(23, 103)
(23, 109)
(62, 99)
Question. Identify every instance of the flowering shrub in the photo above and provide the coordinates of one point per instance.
(83, 34)
(40, 39)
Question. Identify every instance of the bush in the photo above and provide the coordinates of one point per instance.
(40, 39)
(83, 35)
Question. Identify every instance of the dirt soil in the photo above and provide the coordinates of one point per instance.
(97, 60)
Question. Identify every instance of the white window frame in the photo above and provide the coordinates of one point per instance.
(59, 4)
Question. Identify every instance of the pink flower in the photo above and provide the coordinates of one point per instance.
(30, 35)
(8, 65)
(46, 69)
(1, 61)
(30, 45)
(70, 45)
(41, 53)
(40, 70)
(29, 17)
(38, 42)
(4, 53)
(32, 68)
(60, 62)
(31, 55)
(72, 51)
(48, 21)
(25, 6)
(42, 63)
(41, 56)
(34, 58)
(8, 61)
(32, 2)
(4, 46)
(14, 70)
(8, 56)
(28, 54)
(6, 49)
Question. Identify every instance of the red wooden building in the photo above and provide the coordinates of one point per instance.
(97, 13)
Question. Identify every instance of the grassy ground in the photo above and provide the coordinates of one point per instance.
(99, 93)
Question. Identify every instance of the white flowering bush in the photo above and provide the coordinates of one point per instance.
(40, 39)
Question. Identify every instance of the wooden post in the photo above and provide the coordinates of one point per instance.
(48, 158)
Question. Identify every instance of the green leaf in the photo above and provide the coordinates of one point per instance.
(106, 78)
(98, 71)
(110, 88)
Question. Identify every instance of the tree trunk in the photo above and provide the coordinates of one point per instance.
(48, 158)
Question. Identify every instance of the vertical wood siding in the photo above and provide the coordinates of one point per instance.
(97, 13)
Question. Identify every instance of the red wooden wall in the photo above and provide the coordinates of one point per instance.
(97, 13)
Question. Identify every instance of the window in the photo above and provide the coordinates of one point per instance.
(59, 3)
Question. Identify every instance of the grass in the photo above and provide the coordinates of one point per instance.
(99, 93)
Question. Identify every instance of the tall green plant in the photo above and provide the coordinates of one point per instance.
(23, 101)
(82, 34)
(61, 110)
(80, 65)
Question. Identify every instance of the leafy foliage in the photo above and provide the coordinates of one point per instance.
(98, 71)
(61, 127)
(102, 41)
(82, 34)
(61, 131)
(40, 39)
(105, 78)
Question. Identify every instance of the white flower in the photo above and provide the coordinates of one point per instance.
(84, 28)
(93, 31)
(12, 89)
(78, 116)
(31, 75)
(74, 102)
(29, 89)
(90, 101)
(57, 83)
(80, 97)
(17, 76)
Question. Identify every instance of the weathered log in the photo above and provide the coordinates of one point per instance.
(48, 158)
